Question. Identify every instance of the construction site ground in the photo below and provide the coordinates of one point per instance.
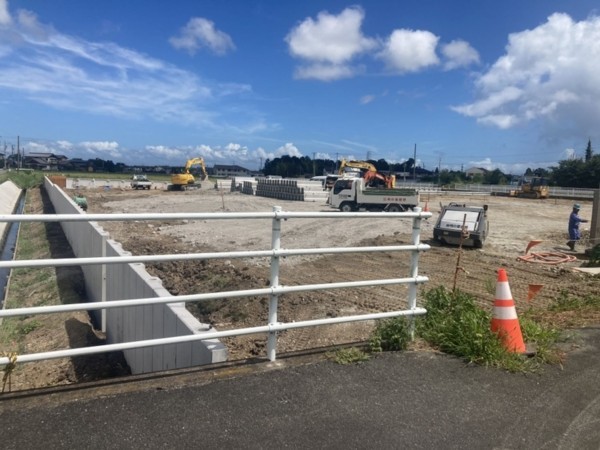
(513, 224)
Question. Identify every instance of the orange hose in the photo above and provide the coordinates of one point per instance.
(547, 258)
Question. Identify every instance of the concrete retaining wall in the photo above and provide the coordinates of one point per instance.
(9, 199)
(130, 281)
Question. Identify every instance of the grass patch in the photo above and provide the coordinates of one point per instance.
(350, 355)
(567, 311)
(454, 324)
(24, 180)
(565, 302)
(391, 335)
(31, 286)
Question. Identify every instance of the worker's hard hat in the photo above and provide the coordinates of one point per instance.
(576, 206)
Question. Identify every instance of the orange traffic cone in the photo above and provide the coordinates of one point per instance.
(504, 319)
(426, 209)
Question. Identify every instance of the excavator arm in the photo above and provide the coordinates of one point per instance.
(362, 165)
(389, 181)
(369, 173)
(196, 162)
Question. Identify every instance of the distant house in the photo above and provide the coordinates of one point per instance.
(225, 171)
(471, 172)
(44, 161)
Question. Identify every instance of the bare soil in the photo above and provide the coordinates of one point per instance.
(513, 224)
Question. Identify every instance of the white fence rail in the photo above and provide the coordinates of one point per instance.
(412, 280)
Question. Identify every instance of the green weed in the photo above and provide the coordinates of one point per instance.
(565, 302)
(350, 355)
(456, 325)
(391, 335)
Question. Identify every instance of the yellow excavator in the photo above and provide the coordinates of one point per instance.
(360, 165)
(183, 179)
(368, 172)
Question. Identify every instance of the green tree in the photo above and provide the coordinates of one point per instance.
(588, 151)
(494, 177)
(577, 173)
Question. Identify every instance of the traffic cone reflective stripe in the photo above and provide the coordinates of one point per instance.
(504, 318)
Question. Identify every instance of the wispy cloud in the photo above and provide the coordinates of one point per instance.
(201, 33)
(69, 73)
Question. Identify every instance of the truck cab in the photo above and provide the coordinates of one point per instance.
(351, 194)
(140, 181)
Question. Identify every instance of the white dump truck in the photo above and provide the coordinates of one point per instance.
(351, 194)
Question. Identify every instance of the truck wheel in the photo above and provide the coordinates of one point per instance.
(478, 243)
(346, 207)
(394, 208)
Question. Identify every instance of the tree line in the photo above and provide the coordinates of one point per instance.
(576, 172)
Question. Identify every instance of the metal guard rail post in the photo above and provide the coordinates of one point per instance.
(274, 290)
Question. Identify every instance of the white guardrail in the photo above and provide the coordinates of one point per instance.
(273, 291)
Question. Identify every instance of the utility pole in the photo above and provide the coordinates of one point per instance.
(415, 164)
(314, 162)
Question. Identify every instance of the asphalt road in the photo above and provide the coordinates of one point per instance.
(395, 400)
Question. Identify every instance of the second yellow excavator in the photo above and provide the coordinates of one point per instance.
(183, 179)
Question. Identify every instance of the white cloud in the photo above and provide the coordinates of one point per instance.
(329, 43)
(324, 72)
(103, 78)
(410, 51)
(162, 153)
(5, 17)
(569, 153)
(332, 39)
(548, 74)
(459, 53)
(288, 149)
(365, 99)
(201, 33)
(101, 149)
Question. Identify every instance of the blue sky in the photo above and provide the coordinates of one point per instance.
(509, 85)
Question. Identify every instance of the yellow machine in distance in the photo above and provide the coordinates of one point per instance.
(534, 187)
(183, 179)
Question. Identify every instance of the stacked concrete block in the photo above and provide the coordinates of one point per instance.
(280, 189)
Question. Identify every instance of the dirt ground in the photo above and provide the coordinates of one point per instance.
(513, 224)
